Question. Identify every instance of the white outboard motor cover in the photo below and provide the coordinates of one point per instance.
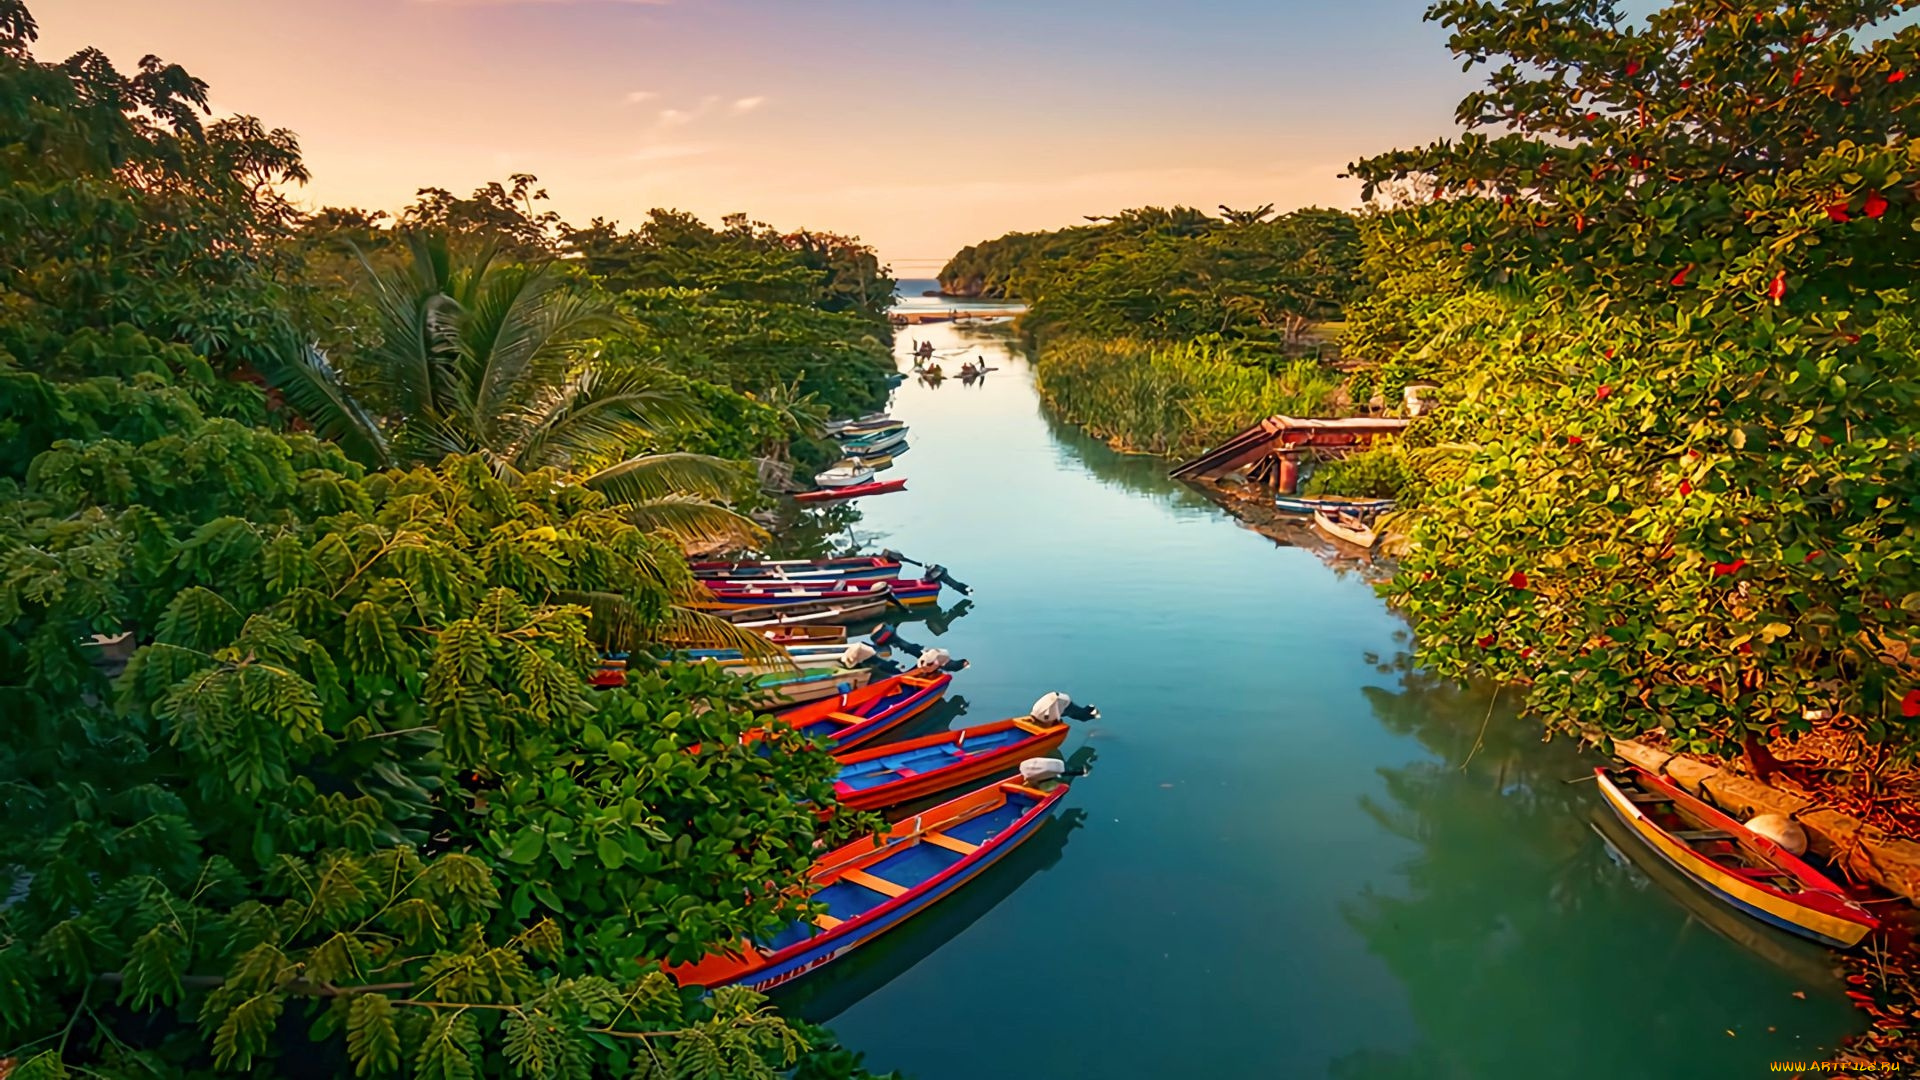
(1035, 769)
(1781, 830)
(933, 660)
(1050, 708)
(856, 654)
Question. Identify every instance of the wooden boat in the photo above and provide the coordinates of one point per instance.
(814, 614)
(1293, 504)
(841, 562)
(806, 634)
(869, 421)
(850, 720)
(1735, 864)
(800, 593)
(779, 689)
(904, 771)
(844, 476)
(870, 569)
(815, 653)
(875, 442)
(881, 487)
(881, 460)
(875, 883)
(1345, 527)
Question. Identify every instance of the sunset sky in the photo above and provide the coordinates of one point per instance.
(921, 127)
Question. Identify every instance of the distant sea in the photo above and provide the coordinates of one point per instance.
(910, 293)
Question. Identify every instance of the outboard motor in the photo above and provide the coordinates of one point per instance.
(856, 654)
(894, 556)
(933, 660)
(1049, 709)
(1035, 769)
(887, 636)
(936, 572)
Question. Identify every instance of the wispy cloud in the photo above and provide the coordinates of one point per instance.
(674, 117)
(635, 97)
(748, 104)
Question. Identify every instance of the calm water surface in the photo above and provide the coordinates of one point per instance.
(1291, 860)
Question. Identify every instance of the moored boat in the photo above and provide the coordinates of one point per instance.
(1297, 504)
(869, 421)
(741, 594)
(844, 476)
(916, 768)
(806, 634)
(870, 569)
(875, 442)
(1732, 862)
(877, 461)
(881, 487)
(779, 689)
(1345, 527)
(820, 612)
(854, 719)
(875, 883)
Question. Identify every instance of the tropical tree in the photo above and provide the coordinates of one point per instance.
(480, 357)
(1682, 474)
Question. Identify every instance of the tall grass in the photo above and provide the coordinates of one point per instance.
(1171, 399)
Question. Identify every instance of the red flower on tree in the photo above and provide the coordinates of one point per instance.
(1518, 579)
(1681, 277)
(1486, 642)
(1686, 487)
(1778, 288)
(1574, 440)
(1910, 705)
(1876, 204)
(1838, 212)
(1725, 569)
(1601, 394)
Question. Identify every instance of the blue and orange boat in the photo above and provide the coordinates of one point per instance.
(916, 768)
(853, 719)
(1732, 862)
(878, 882)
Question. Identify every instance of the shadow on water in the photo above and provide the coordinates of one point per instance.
(1512, 907)
(867, 969)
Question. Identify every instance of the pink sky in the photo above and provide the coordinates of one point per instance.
(921, 128)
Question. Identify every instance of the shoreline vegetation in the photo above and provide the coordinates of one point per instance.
(312, 530)
(1667, 486)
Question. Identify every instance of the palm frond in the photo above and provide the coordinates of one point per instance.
(419, 326)
(653, 476)
(313, 386)
(695, 523)
(602, 413)
(688, 628)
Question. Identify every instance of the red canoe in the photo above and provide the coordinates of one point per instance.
(854, 492)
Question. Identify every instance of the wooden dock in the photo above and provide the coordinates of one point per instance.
(918, 316)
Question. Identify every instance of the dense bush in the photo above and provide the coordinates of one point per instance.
(1164, 399)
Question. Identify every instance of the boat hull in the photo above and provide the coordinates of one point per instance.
(1358, 537)
(1818, 916)
(808, 687)
(874, 443)
(880, 707)
(1293, 504)
(883, 487)
(917, 768)
(815, 614)
(764, 971)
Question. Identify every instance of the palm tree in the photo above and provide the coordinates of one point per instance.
(494, 360)
(477, 357)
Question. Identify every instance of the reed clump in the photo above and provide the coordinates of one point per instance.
(1173, 399)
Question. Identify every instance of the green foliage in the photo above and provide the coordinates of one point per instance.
(743, 261)
(1688, 419)
(1164, 399)
(1173, 276)
(326, 793)
(1379, 472)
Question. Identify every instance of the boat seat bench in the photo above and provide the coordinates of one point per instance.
(1700, 834)
(951, 844)
(877, 884)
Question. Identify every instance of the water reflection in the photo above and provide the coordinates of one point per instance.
(1523, 947)
(869, 968)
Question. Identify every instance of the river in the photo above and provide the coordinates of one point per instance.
(1296, 855)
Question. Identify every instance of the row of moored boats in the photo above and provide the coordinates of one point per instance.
(852, 698)
(868, 446)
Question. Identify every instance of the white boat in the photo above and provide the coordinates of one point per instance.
(870, 422)
(844, 476)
